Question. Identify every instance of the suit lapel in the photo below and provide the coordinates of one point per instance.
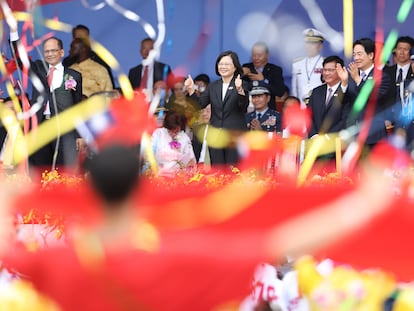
(66, 75)
(369, 76)
(217, 92)
(228, 92)
(394, 73)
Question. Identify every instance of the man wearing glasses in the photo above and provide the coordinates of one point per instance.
(55, 88)
(329, 102)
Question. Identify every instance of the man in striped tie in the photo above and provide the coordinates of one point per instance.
(361, 71)
(329, 102)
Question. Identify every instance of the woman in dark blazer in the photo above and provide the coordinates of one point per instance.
(229, 100)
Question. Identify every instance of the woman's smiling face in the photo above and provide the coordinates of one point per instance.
(226, 67)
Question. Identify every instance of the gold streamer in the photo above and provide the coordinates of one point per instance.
(46, 132)
(348, 27)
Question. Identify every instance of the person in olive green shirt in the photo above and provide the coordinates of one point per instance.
(95, 77)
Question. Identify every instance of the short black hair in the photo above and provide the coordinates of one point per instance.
(149, 39)
(59, 41)
(405, 39)
(235, 59)
(203, 77)
(114, 172)
(77, 27)
(174, 119)
(367, 43)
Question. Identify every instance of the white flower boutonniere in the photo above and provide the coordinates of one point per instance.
(70, 83)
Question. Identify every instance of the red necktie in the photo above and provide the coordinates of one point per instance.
(144, 78)
(49, 81)
(50, 76)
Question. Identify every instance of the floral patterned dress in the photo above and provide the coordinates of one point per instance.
(172, 154)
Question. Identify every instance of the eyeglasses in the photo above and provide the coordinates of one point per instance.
(51, 51)
(225, 64)
(328, 69)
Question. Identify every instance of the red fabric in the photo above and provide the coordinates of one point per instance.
(200, 268)
(180, 276)
(144, 78)
(384, 243)
(191, 206)
(50, 75)
(131, 121)
(58, 204)
(20, 5)
(11, 66)
(298, 120)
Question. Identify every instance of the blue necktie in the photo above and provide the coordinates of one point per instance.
(363, 76)
(400, 76)
(328, 98)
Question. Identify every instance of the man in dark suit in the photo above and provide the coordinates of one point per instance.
(401, 74)
(149, 71)
(55, 89)
(260, 70)
(329, 102)
(362, 70)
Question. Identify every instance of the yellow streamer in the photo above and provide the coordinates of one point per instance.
(126, 86)
(49, 23)
(348, 22)
(146, 144)
(105, 55)
(2, 66)
(46, 132)
(15, 135)
(320, 145)
(13, 96)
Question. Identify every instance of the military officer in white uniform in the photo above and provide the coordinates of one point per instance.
(306, 71)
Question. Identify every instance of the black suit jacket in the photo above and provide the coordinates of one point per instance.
(377, 129)
(392, 73)
(61, 98)
(161, 72)
(3, 134)
(332, 117)
(228, 113)
(395, 90)
(273, 77)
